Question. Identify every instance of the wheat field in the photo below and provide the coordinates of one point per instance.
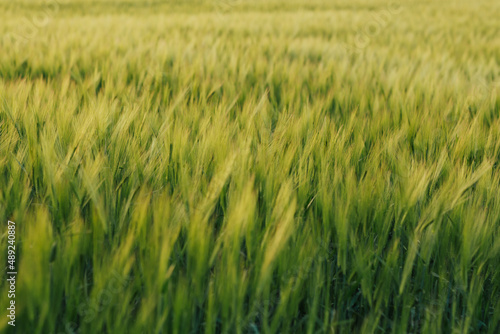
(250, 166)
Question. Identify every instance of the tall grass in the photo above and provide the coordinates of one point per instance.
(177, 168)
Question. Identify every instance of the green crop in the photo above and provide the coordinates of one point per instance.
(235, 166)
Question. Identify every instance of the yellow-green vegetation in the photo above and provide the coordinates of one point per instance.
(251, 166)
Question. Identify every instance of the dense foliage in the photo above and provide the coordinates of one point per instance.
(251, 166)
